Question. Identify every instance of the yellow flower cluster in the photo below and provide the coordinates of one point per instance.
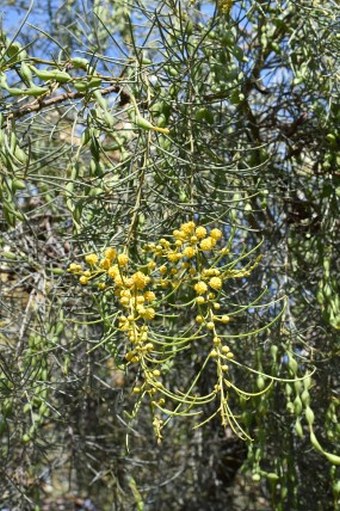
(187, 268)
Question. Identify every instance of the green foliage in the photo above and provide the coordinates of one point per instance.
(123, 127)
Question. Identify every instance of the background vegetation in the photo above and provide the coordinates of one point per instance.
(120, 122)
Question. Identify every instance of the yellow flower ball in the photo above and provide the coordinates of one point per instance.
(113, 271)
(74, 267)
(189, 252)
(83, 280)
(207, 243)
(110, 253)
(215, 283)
(216, 234)
(225, 319)
(122, 259)
(91, 259)
(210, 325)
(200, 287)
(105, 263)
(149, 296)
(140, 280)
(201, 232)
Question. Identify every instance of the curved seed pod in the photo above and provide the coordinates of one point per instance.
(26, 73)
(79, 63)
(54, 74)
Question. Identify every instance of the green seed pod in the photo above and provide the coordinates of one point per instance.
(273, 350)
(18, 184)
(298, 428)
(26, 438)
(79, 63)
(289, 390)
(272, 476)
(314, 442)
(52, 74)
(309, 415)
(256, 477)
(297, 386)
(293, 365)
(307, 382)
(305, 397)
(20, 155)
(35, 91)
(26, 73)
(297, 405)
(260, 382)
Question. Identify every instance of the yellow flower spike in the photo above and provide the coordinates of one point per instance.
(123, 259)
(91, 259)
(200, 287)
(201, 232)
(83, 280)
(215, 283)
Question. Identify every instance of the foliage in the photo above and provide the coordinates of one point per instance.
(188, 153)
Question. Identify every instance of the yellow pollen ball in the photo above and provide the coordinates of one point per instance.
(91, 259)
(199, 319)
(83, 280)
(210, 325)
(200, 287)
(200, 300)
(215, 283)
(122, 259)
